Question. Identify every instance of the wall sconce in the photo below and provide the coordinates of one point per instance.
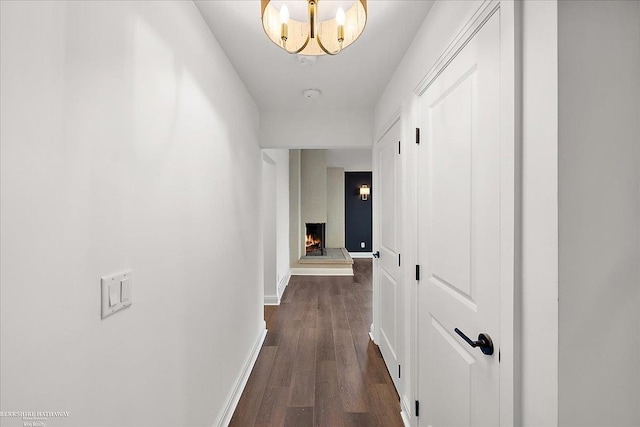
(364, 192)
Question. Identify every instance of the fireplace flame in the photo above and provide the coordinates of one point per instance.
(311, 241)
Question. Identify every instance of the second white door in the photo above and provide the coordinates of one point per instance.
(388, 271)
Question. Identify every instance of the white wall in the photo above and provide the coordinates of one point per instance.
(127, 141)
(538, 388)
(313, 193)
(351, 160)
(335, 208)
(281, 158)
(320, 129)
(599, 170)
(539, 258)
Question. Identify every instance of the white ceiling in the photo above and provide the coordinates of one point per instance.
(354, 79)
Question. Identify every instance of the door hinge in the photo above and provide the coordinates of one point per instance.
(417, 135)
(417, 408)
(498, 355)
(399, 371)
(398, 260)
(417, 272)
(398, 147)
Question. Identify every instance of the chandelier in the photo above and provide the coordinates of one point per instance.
(314, 37)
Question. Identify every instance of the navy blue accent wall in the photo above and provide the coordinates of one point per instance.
(358, 212)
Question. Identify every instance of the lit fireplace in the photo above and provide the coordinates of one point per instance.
(314, 241)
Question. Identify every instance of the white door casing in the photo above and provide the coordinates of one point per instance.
(269, 232)
(463, 227)
(388, 274)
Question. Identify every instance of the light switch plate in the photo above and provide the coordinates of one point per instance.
(112, 285)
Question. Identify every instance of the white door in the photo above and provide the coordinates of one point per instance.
(388, 271)
(460, 228)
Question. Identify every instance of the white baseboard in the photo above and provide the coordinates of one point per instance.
(232, 401)
(283, 284)
(275, 299)
(405, 419)
(322, 271)
(361, 254)
(271, 300)
(405, 412)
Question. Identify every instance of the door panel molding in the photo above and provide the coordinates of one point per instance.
(482, 15)
(464, 353)
(393, 119)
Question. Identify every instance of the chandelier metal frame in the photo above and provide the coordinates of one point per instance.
(313, 37)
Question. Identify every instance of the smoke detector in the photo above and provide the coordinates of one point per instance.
(311, 93)
(305, 60)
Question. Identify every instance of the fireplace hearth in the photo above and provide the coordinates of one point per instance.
(315, 239)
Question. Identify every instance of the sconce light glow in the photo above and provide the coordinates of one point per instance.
(364, 192)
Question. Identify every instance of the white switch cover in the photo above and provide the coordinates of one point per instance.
(116, 292)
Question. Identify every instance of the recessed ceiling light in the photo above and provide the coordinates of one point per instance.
(311, 93)
(307, 59)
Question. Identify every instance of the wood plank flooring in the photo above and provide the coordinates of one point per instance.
(317, 366)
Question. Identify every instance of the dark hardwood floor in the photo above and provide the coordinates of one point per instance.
(317, 365)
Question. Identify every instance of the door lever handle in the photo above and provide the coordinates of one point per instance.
(376, 254)
(484, 342)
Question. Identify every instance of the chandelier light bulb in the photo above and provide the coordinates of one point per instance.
(284, 28)
(340, 16)
(284, 14)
